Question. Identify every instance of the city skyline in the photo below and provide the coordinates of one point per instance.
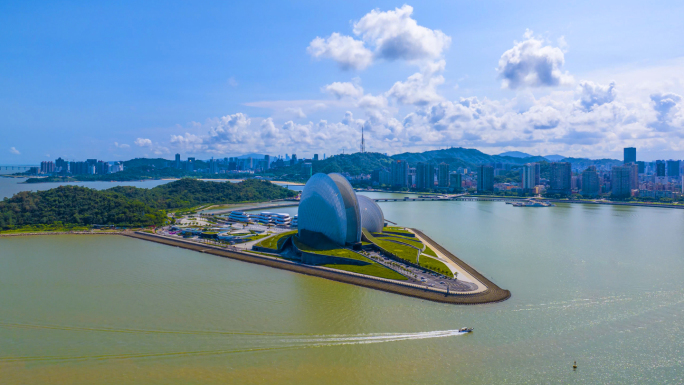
(412, 78)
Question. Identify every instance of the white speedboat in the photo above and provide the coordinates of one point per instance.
(466, 330)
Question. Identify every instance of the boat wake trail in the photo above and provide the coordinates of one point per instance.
(374, 338)
(246, 342)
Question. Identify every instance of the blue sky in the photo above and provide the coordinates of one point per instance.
(125, 79)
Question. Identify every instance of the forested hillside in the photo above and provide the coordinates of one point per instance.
(74, 205)
(127, 206)
(185, 193)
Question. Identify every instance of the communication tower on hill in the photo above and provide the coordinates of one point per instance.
(363, 144)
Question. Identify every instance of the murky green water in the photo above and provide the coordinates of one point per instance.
(600, 285)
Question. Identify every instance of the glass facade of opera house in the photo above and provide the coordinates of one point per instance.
(329, 207)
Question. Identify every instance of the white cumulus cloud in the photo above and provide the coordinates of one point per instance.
(142, 142)
(530, 63)
(418, 89)
(296, 111)
(593, 94)
(14, 151)
(348, 52)
(344, 89)
(390, 35)
(395, 35)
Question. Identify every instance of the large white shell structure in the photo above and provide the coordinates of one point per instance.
(330, 207)
(372, 218)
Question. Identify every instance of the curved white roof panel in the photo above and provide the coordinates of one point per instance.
(372, 218)
(322, 210)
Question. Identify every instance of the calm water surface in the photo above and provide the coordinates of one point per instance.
(600, 285)
(11, 186)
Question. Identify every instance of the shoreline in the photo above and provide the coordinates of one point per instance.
(492, 294)
(61, 233)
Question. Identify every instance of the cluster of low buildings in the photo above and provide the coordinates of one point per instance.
(264, 218)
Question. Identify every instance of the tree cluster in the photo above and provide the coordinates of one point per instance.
(127, 206)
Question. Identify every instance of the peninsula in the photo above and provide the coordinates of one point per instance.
(337, 234)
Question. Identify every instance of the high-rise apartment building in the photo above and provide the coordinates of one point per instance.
(293, 160)
(178, 161)
(425, 176)
(642, 167)
(61, 165)
(380, 176)
(190, 165)
(485, 179)
(630, 155)
(315, 158)
(530, 175)
(673, 168)
(213, 166)
(267, 162)
(47, 167)
(590, 181)
(660, 168)
(456, 181)
(443, 175)
(561, 178)
(399, 171)
(307, 170)
(633, 175)
(620, 181)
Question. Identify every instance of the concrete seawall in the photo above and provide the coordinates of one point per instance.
(491, 295)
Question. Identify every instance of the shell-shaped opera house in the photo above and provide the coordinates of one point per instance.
(330, 207)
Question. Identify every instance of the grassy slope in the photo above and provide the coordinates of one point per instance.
(411, 241)
(276, 241)
(435, 265)
(407, 253)
(429, 251)
(373, 268)
(331, 250)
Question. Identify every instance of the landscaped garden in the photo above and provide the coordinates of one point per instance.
(434, 265)
(276, 242)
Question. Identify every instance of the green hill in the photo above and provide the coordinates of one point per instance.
(127, 206)
(187, 192)
(74, 205)
(462, 157)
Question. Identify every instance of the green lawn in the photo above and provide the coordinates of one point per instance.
(413, 242)
(374, 270)
(407, 253)
(276, 241)
(398, 230)
(394, 228)
(258, 236)
(434, 265)
(429, 251)
(331, 250)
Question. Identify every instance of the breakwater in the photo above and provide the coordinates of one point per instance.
(491, 295)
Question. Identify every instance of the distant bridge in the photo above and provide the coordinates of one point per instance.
(18, 168)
